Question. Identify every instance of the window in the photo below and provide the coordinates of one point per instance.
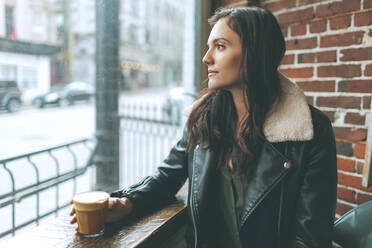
(132, 33)
(29, 76)
(54, 54)
(36, 21)
(8, 72)
(9, 22)
(50, 28)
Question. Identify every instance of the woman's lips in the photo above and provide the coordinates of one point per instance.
(211, 73)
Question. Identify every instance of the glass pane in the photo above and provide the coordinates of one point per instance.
(33, 85)
(48, 89)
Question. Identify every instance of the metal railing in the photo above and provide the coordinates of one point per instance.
(147, 134)
(16, 195)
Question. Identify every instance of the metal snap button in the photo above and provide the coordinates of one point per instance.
(287, 165)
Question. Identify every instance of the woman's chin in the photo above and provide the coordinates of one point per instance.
(213, 85)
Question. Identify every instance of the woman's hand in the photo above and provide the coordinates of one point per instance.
(117, 209)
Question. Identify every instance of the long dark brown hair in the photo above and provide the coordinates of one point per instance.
(213, 119)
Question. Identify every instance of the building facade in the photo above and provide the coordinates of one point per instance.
(151, 42)
(27, 27)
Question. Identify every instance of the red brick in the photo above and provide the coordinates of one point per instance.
(317, 86)
(342, 208)
(330, 115)
(368, 70)
(363, 19)
(352, 134)
(337, 7)
(355, 118)
(367, 4)
(308, 43)
(362, 198)
(366, 102)
(305, 72)
(298, 30)
(357, 86)
(352, 181)
(359, 168)
(318, 27)
(287, 59)
(345, 39)
(346, 164)
(306, 58)
(356, 54)
(339, 71)
(344, 148)
(349, 180)
(339, 102)
(346, 194)
(296, 16)
(279, 5)
(327, 56)
(359, 150)
(340, 22)
(306, 2)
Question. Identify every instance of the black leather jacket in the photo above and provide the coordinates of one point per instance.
(290, 202)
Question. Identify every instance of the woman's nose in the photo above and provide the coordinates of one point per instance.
(207, 59)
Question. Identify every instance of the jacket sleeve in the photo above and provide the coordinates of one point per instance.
(317, 200)
(157, 189)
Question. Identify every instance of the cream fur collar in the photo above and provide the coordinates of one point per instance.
(290, 117)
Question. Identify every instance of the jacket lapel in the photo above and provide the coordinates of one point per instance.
(270, 170)
(202, 174)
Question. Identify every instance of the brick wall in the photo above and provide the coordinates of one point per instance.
(329, 56)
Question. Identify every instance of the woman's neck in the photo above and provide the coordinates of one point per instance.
(240, 102)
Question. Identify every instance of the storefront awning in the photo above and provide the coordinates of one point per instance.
(16, 46)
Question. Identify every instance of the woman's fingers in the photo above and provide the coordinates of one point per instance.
(73, 220)
(72, 211)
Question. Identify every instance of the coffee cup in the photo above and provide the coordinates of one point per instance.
(90, 209)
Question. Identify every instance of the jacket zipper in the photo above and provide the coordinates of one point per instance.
(192, 204)
(281, 201)
(280, 210)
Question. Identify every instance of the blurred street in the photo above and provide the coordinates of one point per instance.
(35, 129)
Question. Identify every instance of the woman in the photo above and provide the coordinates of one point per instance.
(261, 162)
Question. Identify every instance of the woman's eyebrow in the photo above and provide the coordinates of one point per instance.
(217, 39)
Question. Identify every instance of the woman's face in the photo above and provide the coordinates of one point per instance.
(223, 57)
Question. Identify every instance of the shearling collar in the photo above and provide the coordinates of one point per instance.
(290, 117)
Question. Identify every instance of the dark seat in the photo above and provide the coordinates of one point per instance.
(354, 229)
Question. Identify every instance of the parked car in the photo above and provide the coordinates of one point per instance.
(65, 95)
(10, 96)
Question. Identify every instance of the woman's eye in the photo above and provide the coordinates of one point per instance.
(219, 46)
